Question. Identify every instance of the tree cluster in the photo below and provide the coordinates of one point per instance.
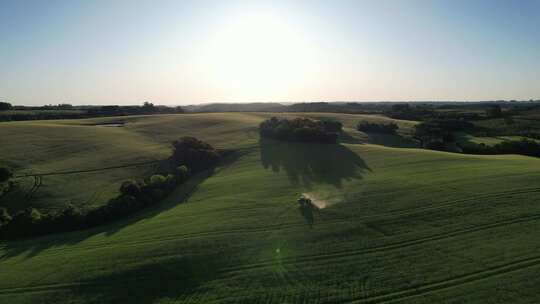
(435, 134)
(194, 154)
(523, 147)
(387, 128)
(133, 196)
(301, 130)
(68, 111)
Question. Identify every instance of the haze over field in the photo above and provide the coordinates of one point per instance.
(185, 52)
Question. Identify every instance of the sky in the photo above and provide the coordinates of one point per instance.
(190, 52)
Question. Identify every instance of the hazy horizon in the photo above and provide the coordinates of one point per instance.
(191, 52)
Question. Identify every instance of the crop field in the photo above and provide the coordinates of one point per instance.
(393, 223)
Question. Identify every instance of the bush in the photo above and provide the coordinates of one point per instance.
(130, 187)
(171, 181)
(194, 154)
(182, 173)
(69, 218)
(24, 223)
(158, 181)
(387, 128)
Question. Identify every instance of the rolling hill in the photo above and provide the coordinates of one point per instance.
(395, 224)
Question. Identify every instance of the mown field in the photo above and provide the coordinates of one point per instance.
(398, 225)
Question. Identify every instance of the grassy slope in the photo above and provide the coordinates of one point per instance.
(66, 145)
(55, 146)
(401, 224)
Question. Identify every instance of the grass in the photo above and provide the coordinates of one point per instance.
(403, 225)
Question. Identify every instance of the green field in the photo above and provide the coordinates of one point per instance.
(397, 224)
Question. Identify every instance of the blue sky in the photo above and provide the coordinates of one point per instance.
(186, 52)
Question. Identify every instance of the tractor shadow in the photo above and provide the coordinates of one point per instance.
(307, 210)
(307, 164)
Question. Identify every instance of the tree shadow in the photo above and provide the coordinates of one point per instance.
(170, 279)
(306, 164)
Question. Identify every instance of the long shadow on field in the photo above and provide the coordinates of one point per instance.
(33, 246)
(306, 164)
(174, 279)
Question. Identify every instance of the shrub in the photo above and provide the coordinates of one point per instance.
(130, 187)
(24, 223)
(121, 205)
(68, 218)
(182, 173)
(171, 181)
(158, 180)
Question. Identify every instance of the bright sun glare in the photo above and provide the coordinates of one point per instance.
(259, 52)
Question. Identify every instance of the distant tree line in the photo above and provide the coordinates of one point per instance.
(439, 134)
(301, 130)
(68, 111)
(189, 156)
(387, 128)
(524, 146)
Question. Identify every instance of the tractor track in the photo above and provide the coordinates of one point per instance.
(382, 248)
(281, 226)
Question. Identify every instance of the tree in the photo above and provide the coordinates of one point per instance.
(194, 154)
(4, 106)
(182, 173)
(69, 218)
(158, 180)
(148, 107)
(130, 187)
(24, 223)
(301, 129)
